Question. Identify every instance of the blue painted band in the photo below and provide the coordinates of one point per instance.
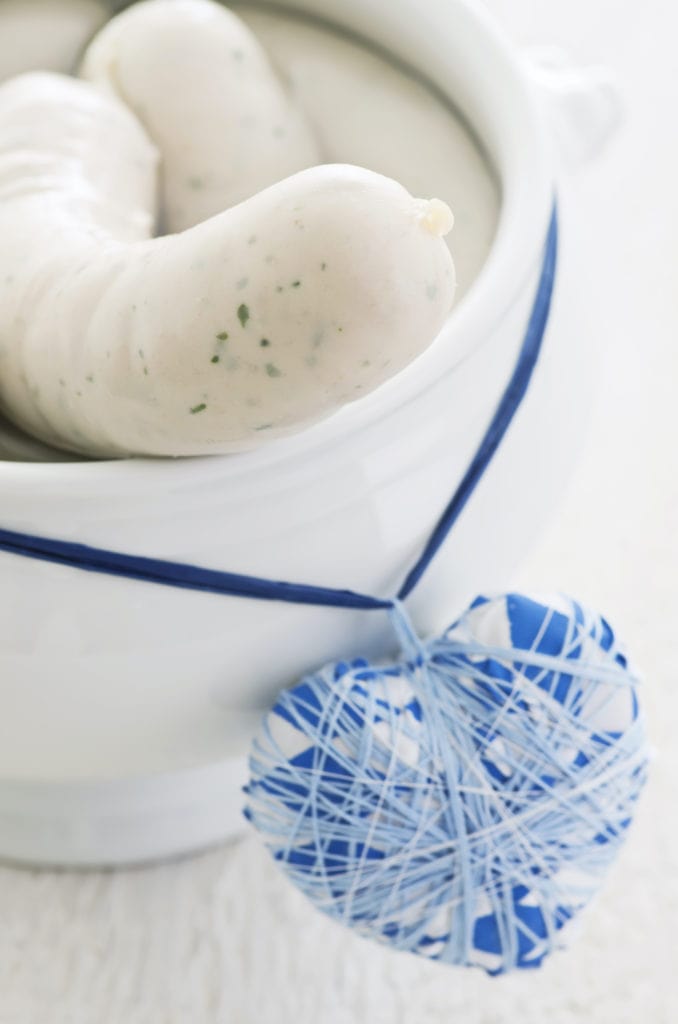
(191, 577)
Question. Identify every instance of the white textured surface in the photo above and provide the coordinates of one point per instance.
(222, 939)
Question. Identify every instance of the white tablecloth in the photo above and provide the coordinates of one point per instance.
(222, 939)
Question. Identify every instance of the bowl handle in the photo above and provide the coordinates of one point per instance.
(583, 104)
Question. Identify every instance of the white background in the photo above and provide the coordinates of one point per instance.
(221, 938)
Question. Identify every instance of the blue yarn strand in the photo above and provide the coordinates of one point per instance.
(181, 575)
(508, 407)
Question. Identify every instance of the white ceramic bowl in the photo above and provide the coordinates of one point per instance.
(126, 709)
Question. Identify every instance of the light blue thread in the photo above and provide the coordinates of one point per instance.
(463, 803)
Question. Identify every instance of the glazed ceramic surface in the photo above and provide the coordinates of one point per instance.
(126, 710)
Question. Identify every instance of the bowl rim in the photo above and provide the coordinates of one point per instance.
(526, 195)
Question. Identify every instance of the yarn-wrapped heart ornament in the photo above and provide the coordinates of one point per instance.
(465, 801)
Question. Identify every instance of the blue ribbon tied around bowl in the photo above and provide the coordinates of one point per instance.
(465, 799)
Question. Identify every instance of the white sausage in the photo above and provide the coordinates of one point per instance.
(250, 325)
(204, 89)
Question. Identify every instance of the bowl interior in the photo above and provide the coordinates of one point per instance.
(453, 45)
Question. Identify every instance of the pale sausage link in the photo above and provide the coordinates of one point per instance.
(205, 91)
